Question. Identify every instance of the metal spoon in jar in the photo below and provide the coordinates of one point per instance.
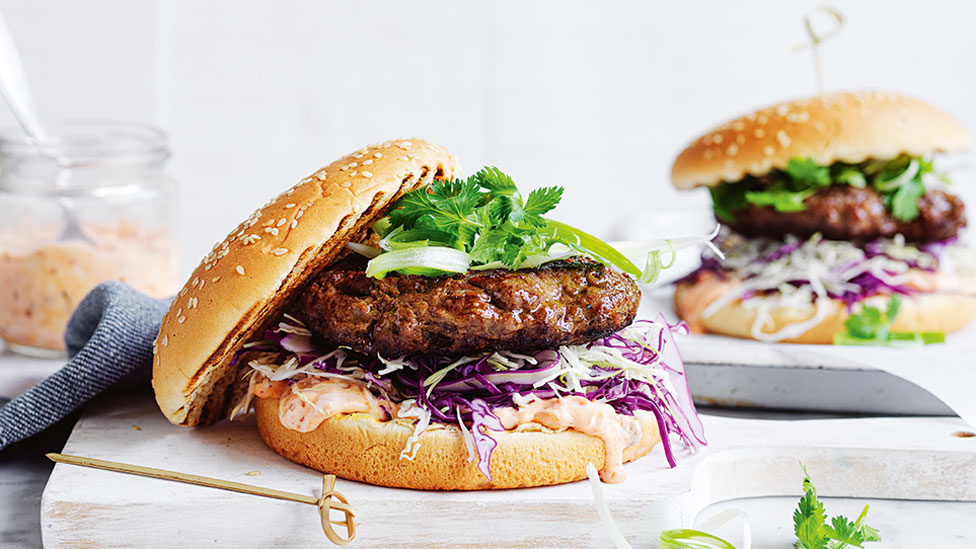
(14, 88)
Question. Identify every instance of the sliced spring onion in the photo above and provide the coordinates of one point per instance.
(910, 172)
(587, 243)
(691, 539)
(364, 250)
(430, 261)
(894, 339)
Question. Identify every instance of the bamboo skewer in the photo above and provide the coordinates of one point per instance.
(330, 498)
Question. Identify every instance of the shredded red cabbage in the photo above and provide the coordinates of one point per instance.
(481, 384)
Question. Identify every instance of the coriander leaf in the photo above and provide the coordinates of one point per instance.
(808, 172)
(500, 210)
(495, 180)
(869, 323)
(893, 306)
(780, 200)
(808, 523)
(489, 246)
(869, 533)
(844, 531)
(904, 202)
(727, 199)
(809, 517)
(539, 202)
(849, 175)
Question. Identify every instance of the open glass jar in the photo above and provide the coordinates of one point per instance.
(93, 203)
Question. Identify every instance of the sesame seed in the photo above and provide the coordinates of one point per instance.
(405, 145)
(782, 110)
(179, 312)
(299, 214)
(294, 223)
(707, 139)
(367, 174)
(759, 133)
(378, 155)
(288, 206)
(763, 119)
(732, 150)
(281, 222)
(181, 320)
(320, 176)
(360, 155)
(202, 282)
(717, 138)
(403, 158)
(183, 291)
(196, 281)
(274, 231)
(215, 279)
(740, 139)
(353, 173)
(367, 162)
(353, 165)
(192, 303)
(783, 139)
(208, 266)
(768, 150)
(738, 125)
(346, 184)
(280, 251)
(240, 270)
(165, 341)
(709, 154)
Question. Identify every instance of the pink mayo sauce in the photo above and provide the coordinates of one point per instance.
(596, 419)
(42, 281)
(304, 405)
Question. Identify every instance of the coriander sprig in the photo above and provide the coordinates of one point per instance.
(813, 532)
(483, 221)
(872, 326)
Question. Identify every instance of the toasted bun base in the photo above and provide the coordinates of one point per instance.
(362, 448)
(848, 127)
(933, 312)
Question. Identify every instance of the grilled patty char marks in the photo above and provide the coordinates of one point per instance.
(848, 213)
(562, 302)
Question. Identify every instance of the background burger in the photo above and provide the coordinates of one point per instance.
(393, 324)
(829, 203)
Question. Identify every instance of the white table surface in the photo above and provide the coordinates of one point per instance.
(24, 472)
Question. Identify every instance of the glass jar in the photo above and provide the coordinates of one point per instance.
(92, 203)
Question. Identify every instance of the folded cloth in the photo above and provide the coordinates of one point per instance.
(109, 340)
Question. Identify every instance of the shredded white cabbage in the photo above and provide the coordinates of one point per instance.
(825, 267)
(410, 410)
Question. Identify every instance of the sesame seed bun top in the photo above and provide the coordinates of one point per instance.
(838, 127)
(241, 286)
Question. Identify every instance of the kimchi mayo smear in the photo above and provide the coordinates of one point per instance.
(305, 404)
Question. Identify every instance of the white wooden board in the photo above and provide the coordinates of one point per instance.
(907, 458)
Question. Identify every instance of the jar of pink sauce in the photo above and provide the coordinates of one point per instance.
(93, 203)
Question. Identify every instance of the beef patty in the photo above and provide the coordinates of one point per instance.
(841, 212)
(563, 302)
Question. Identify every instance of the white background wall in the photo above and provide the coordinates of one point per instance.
(596, 96)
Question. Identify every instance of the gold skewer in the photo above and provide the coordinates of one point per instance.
(330, 498)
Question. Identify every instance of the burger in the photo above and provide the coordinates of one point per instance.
(391, 323)
(829, 205)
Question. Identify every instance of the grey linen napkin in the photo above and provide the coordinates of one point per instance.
(109, 341)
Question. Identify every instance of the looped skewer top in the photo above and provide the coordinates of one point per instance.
(326, 505)
(816, 39)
